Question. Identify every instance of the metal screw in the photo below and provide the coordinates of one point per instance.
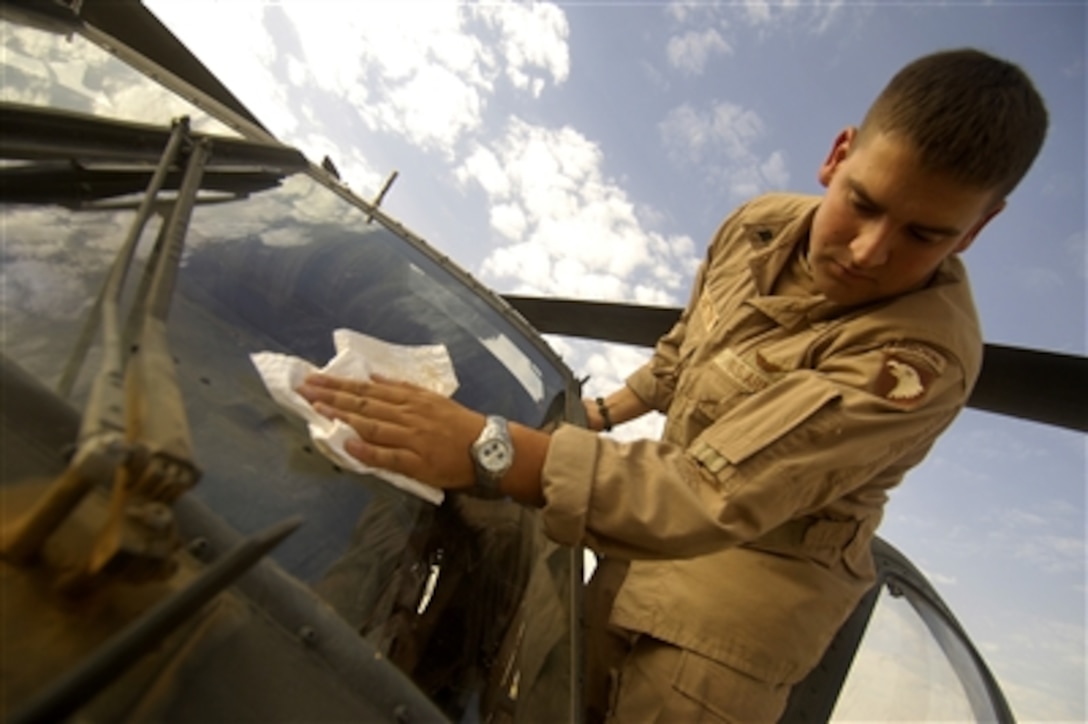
(308, 635)
(200, 548)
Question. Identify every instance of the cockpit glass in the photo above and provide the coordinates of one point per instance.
(912, 666)
(56, 69)
(469, 597)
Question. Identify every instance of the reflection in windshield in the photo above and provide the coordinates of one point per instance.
(469, 598)
(69, 72)
(910, 669)
(462, 596)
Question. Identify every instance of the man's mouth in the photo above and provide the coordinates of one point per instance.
(847, 272)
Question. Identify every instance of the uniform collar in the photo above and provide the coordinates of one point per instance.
(772, 243)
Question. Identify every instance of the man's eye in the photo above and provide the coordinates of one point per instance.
(862, 207)
(923, 237)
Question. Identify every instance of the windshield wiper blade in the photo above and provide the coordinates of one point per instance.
(105, 310)
(134, 429)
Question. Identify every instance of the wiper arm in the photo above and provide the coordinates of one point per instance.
(134, 430)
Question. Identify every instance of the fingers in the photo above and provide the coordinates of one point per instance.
(335, 399)
(397, 460)
(378, 386)
(401, 427)
(376, 412)
(372, 428)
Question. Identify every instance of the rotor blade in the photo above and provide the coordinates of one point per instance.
(1046, 387)
(606, 321)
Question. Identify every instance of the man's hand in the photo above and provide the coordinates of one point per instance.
(403, 428)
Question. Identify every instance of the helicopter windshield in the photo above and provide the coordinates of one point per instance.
(445, 592)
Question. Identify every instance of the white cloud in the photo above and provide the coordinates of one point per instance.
(243, 60)
(532, 41)
(285, 237)
(690, 52)
(483, 167)
(681, 11)
(422, 71)
(721, 141)
(607, 367)
(814, 17)
(509, 220)
(725, 127)
(774, 171)
(565, 228)
(757, 11)
(433, 108)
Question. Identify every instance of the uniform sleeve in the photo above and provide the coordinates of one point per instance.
(655, 382)
(788, 450)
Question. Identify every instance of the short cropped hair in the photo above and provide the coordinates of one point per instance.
(967, 114)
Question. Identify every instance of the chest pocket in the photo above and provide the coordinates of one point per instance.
(716, 384)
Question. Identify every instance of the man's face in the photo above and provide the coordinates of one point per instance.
(885, 224)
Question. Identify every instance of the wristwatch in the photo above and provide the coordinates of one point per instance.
(493, 454)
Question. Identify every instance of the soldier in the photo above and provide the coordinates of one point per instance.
(827, 343)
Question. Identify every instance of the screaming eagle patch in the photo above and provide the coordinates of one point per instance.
(907, 374)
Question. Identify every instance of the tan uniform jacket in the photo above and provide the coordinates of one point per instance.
(788, 419)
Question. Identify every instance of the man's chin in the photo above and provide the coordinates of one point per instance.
(844, 295)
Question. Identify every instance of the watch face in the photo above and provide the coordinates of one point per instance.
(494, 455)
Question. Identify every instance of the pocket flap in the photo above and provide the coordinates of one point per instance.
(763, 418)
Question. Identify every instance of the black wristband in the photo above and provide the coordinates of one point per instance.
(603, 409)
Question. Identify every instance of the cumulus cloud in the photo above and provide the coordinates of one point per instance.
(431, 67)
(816, 15)
(533, 42)
(690, 52)
(812, 17)
(565, 229)
(605, 367)
(721, 141)
(421, 71)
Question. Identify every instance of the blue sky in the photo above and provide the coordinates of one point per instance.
(591, 150)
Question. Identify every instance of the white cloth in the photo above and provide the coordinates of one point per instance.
(358, 357)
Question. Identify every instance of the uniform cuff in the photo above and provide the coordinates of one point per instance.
(567, 480)
(647, 388)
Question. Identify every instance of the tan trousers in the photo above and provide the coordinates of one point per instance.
(637, 678)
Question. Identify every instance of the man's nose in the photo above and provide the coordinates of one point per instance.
(871, 247)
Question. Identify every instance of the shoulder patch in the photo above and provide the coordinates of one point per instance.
(907, 373)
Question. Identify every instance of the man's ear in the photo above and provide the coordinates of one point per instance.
(970, 236)
(839, 151)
